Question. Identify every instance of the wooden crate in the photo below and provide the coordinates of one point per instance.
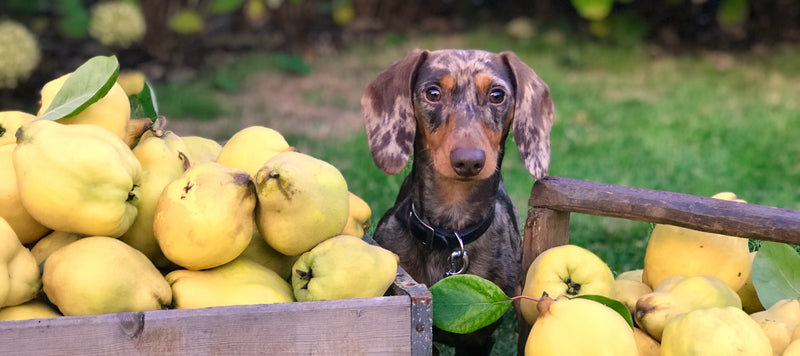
(554, 198)
(397, 324)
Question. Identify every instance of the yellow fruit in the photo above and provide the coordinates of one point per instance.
(260, 252)
(10, 121)
(19, 274)
(577, 327)
(750, 302)
(568, 270)
(674, 250)
(629, 291)
(251, 147)
(343, 267)
(204, 219)
(28, 230)
(240, 282)
(646, 345)
(793, 349)
(131, 81)
(358, 219)
(111, 111)
(201, 149)
(77, 178)
(136, 128)
(680, 294)
(159, 153)
(33, 309)
(302, 201)
(632, 275)
(52, 242)
(97, 275)
(779, 322)
(714, 331)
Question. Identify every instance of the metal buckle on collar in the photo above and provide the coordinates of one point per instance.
(431, 231)
(458, 259)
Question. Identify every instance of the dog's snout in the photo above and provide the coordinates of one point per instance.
(467, 162)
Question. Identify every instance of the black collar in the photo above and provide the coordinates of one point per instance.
(435, 237)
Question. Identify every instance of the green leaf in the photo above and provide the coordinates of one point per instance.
(224, 6)
(290, 64)
(732, 12)
(464, 303)
(187, 22)
(144, 104)
(593, 10)
(775, 273)
(87, 84)
(611, 303)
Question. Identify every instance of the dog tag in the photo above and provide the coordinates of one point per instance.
(459, 261)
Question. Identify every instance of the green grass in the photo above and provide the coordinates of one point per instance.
(696, 124)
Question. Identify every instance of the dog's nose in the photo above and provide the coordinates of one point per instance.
(467, 162)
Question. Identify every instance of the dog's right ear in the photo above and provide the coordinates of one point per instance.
(389, 113)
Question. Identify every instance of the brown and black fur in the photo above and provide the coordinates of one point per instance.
(453, 109)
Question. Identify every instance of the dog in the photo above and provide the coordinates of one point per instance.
(453, 109)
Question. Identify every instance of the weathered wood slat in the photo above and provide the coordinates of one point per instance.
(690, 211)
(377, 326)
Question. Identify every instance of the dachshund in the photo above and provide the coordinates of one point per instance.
(453, 109)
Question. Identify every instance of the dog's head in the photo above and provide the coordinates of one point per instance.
(463, 103)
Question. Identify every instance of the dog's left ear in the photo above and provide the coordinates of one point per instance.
(533, 116)
(389, 113)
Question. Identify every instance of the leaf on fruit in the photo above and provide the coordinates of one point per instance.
(87, 84)
(614, 304)
(144, 104)
(775, 273)
(464, 303)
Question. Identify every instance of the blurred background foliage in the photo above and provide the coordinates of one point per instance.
(170, 38)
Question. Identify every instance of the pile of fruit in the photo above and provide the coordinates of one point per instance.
(694, 296)
(102, 213)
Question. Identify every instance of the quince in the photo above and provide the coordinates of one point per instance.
(160, 154)
(52, 242)
(32, 309)
(239, 282)
(27, 228)
(358, 219)
(302, 201)
(627, 289)
(77, 178)
(261, 252)
(680, 294)
(343, 267)
(98, 275)
(112, 111)
(204, 218)
(568, 270)
(567, 327)
(250, 147)
(19, 275)
(674, 250)
(10, 122)
(779, 323)
(714, 331)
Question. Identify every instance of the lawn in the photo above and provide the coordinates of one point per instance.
(697, 124)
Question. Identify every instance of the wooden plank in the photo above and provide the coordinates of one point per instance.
(343, 327)
(690, 211)
(421, 312)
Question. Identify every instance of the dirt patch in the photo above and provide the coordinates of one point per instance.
(324, 103)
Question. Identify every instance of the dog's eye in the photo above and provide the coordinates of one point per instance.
(433, 94)
(496, 96)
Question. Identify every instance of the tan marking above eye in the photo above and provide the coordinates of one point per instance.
(484, 82)
(448, 82)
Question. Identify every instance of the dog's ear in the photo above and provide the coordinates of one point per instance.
(389, 113)
(533, 116)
